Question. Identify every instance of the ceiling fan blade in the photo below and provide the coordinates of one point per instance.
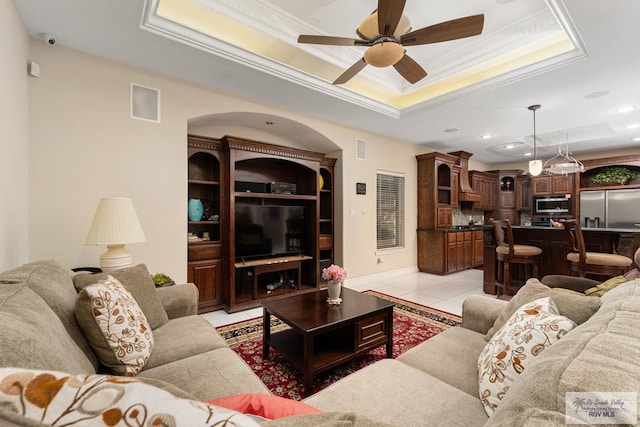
(410, 69)
(445, 31)
(330, 40)
(351, 72)
(389, 14)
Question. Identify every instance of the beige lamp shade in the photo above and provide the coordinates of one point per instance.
(115, 224)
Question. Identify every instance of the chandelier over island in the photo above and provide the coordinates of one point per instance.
(560, 164)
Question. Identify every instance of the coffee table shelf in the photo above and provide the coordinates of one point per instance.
(290, 344)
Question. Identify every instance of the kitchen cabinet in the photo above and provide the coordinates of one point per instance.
(478, 248)
(523, 193)
(444, 216)
(507, 195)
(551, 185)
(486, 184)
(437, 195)
(449, 251)
(455, 179)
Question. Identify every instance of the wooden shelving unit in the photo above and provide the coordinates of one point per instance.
(215, 167)
(205, 165)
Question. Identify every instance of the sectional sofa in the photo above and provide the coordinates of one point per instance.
(433, 384)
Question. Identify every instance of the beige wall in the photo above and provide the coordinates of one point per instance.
(84, 146)
(14, 138)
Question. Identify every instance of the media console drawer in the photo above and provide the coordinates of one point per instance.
(202, 252)
(371, 331)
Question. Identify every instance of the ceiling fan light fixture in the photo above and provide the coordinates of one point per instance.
(384, 54)
(368, 29)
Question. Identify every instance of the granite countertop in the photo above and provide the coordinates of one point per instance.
(448, 230)
(609, 230)
(530, 227)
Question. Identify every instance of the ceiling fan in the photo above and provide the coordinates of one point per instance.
(387, 31)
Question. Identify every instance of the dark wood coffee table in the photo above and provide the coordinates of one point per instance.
(323, 336)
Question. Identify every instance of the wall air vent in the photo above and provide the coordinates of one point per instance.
(144, 103)
(361, 149)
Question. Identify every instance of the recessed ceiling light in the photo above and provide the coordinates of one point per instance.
(632, 126)
(636, 139)
(528, 154)
(451, 130)
(598, 94)
(487, 136)
(509, 147)
(626, 109)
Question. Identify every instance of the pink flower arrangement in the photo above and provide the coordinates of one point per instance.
(335, 273)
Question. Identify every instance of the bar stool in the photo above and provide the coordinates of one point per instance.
(582, 262)
(508, 253)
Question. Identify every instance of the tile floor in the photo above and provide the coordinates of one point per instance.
(442, 292)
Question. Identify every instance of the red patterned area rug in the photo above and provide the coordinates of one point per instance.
(412, 324)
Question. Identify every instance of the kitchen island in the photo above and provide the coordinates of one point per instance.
(555, 247)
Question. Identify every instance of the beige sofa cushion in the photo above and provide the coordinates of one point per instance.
(32, 335)
(210, 375)
(451, 356)
(599, 355)
(576, 307)
(115, 326)
(53, 283)
(181, 338)
(138, 281)
(391, 392)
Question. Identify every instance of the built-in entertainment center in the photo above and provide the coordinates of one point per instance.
(267, 226)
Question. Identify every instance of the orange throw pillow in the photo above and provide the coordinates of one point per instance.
(264, 405)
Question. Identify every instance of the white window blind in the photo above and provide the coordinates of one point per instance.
(390, 210)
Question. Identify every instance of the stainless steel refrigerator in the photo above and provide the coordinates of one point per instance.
(610, 208)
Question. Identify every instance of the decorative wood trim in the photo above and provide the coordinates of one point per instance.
(197, 141)
(235, 143)
(633, 159)
(436, 155)
(328, 162)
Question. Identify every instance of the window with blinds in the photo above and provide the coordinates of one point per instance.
(389, 210)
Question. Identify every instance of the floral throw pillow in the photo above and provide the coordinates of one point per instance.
(115, 326)
(517, 344)
(60, 399)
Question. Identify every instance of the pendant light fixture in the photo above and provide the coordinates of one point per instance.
(535, 165)
(563, 164)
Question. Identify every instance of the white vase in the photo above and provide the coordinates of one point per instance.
(334, 289)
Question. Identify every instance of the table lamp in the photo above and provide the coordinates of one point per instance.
(115, 224)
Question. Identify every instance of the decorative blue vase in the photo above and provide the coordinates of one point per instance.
(195, 209)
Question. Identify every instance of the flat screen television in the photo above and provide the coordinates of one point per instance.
(269, 230)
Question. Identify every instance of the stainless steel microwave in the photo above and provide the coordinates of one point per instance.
(552, 205)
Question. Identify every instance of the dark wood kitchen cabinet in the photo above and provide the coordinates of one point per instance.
(452, 250)
(486, 184)
(436, 191)
(546, 185)
(523, 193)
